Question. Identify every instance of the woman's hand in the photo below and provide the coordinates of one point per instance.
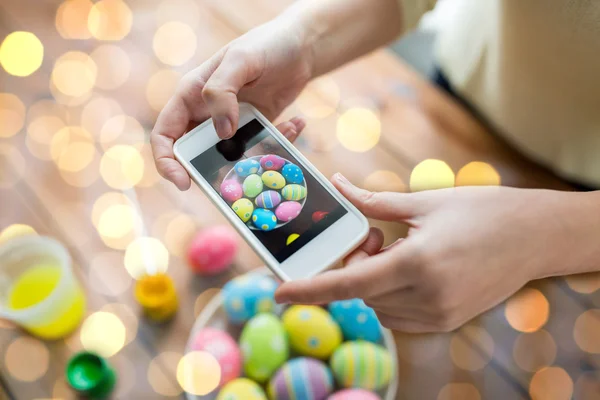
(467, 250)
(267, 67)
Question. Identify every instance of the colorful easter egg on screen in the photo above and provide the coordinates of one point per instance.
(264, 346)
(311, 331)
(288, 210)
(357, 320)
(242, 389)
(253, 185)
(247, 295)
(291, 238)
(243, 208)
(231, 190)
(293, 192)
(318, 215)
(224, 349)
(353, 394)
(247, 167)
(372, 365)
(273, 180)
(301, 379)
(268, 199)
(213, 249)
(292, 173)
(263, 219)
(271, 162)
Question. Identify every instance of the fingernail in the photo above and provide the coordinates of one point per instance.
(342, 179)
(223, 127)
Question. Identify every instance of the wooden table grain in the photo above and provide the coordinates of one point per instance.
(487, 359)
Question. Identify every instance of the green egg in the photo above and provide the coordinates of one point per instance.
(252, 186)
(293, 192)
(372, 363)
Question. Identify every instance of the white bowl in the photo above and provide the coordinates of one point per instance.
(213, 316)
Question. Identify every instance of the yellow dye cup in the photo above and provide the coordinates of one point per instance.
(37, 288)
(157, 296)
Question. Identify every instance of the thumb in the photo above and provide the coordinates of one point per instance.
(385, 206)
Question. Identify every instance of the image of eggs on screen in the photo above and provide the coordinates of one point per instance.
(277, 198)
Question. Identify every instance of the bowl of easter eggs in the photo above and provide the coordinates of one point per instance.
(265, 191)
(267, 351)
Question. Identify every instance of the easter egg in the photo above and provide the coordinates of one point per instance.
(372, 365)
(291, 238)
(221, 346)
(231, 190)
(248, 295)
(311, 331)
(264, 346)
(288, 210)
(273, 180)
(243, 208)
(268, 199)
(292, 173)
(301, 379)
(318, 215)
(213, 249)
(356, 320)
(246, 168)
(263, 219)
(271, 162)
(253, 185)
(242, 389)
(293, 192)
(353, 394)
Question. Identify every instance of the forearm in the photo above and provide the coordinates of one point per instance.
(338, 31)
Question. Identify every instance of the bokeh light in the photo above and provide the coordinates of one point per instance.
(533, 351)
(478, 173)
(161, 87)
(84, 178)
(27, 359)
(587, 331)
(471, 348)
(104, 202)
(40, 132)
(584, 283)
(110, 20)
(15, 231)
(159, 373)
(12, 115)
(122, 167)
(384, 181)
(198, 373)
(587, 386)
(146, 255)
(527, 310)
(118, 225)
(320, 99)
(74, 74)
(113, 65)
(103, 333)
(176, 229)
(552, 383)
(13, 166)
(178, 10)
(21, 53)
(72, 148)
(62, 391)
(431, 175)
(419, 349)
(72, 18)
(151, 176)
(358, 129)
(122, 129)
(174, 43)
(127, 317)
(97, 112)
(108, 274)
(203, 299)
(459, 390)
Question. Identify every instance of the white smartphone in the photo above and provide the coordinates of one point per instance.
(286, 210)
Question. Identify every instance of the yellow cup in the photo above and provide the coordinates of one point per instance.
(37, 288)
(156, 294)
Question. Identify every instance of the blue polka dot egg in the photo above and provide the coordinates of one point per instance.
(246, 168)
(358, 322)
(292, 173)
(263, 219)
(248, 295)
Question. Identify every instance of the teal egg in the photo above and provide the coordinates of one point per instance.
(252, 186)
(263, 219)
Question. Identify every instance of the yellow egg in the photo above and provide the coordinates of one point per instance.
(273, 180)
(243, 208)
(242, 389)
(312, 331)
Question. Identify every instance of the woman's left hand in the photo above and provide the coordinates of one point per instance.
(467, 250)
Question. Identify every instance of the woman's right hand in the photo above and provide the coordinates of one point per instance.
(267, 67)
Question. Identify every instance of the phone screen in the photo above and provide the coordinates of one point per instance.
(283, 205)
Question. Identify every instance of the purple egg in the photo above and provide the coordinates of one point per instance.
(302, 377)
(288, 210)
(272, 162)
(231, 190)
(268, 199)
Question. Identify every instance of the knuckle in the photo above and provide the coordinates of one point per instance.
(344, 289)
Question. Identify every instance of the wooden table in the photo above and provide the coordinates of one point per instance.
(489, 358)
